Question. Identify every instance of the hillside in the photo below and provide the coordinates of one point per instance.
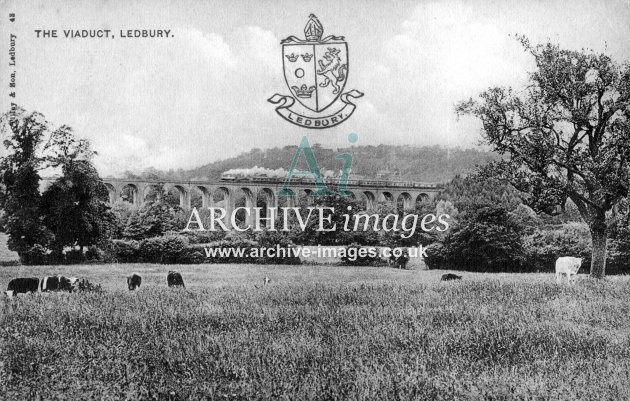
(429, 163)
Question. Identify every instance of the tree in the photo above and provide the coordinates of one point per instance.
(154, 218)
(485, 239)
(71, 211)
(122, 213)
(75, 207)
(475, 189)
(20, 197)
(565, 136)
(619, 253)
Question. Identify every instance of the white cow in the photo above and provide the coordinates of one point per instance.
(568, 265)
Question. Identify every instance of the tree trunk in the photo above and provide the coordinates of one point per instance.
(599, 238)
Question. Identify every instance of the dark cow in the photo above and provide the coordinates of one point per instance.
(391, 261)
(134, 281)
(450, 276)
(174, 279)
(23, 285)
(402, 260)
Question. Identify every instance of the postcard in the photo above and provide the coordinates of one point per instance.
(314, 200)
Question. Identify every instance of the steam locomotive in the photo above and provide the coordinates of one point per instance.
(257, 175)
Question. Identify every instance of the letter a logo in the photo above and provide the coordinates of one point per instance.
(314, 172)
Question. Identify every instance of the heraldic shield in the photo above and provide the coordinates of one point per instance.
(316, 74)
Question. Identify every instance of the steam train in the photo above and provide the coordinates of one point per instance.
(232, 176)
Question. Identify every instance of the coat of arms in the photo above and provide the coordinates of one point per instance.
(316, 72)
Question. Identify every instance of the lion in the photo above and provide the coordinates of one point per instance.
(334, 71)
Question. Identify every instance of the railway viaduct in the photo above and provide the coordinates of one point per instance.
(224, 193)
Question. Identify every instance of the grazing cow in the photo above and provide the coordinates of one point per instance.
(450, 277)
(174, 279)
(134, 281)
(58, 283)
(391, 261)
(402, 260)
(23, 285)
(568, 265)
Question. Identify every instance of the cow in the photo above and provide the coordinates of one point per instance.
(23, 285)
(134, 281)
(450, 277)
(402, 260)
(391, 261)
(174, 279)
(58, 283)
(568, 265)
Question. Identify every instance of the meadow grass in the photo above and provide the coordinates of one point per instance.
(315, 332)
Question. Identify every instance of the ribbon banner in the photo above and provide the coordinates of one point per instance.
(306, 119)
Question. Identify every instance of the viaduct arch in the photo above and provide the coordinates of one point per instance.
(371, 193)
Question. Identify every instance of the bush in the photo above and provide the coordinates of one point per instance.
(544, 246)
(126, 251)
(74, 256)
(282, 245)
(203, 237)
(169, 249)
(193, 256)
(484, 240)
(173, 248)
(35, 255)
(435, 258)
(94, 254)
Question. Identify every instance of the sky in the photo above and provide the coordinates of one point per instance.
(201, 95)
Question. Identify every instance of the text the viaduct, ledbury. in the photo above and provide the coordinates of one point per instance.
(392, 193)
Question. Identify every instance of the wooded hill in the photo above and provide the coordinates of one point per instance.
(427, 163)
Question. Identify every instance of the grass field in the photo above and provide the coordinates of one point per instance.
(315, 333)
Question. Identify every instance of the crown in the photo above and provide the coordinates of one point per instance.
(292, 57)
(313, 29)
(303, 92)
(307, 57)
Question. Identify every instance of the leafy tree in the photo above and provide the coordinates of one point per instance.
(462, 192)
(20, 197)
(122, 212)
(565, 136)
(71, 210)
(619, 253)
(135, 229)
(154, 218)
(544, 246)
(75, 207)
(485, 239)
(63, 148)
